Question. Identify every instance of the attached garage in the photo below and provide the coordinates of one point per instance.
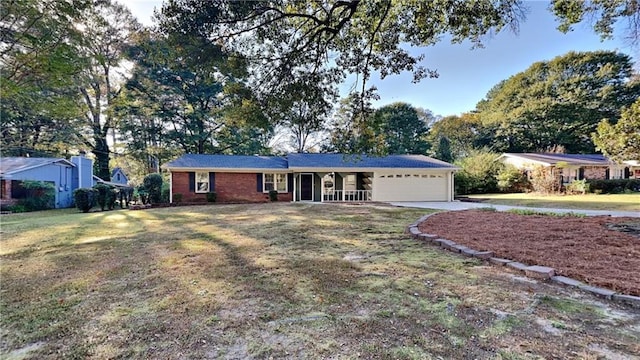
(411, 186)
(366, 178)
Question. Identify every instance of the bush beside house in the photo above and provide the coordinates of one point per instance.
(85, 198)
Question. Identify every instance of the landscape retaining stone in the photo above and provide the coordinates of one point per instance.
(484, 255)
(603, 293)
(459, 248)
(629, 299)
(424, 238)
(430, 236)
(540, 272)
(444, 242)
(566, 281)
(469, 252)
(536, 271)
(499, 261)
(517, 265)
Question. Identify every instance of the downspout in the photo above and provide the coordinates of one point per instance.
(80, 173)
(452, 188)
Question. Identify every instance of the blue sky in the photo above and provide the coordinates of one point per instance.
(465, 74)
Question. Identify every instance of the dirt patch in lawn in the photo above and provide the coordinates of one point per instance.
(599, 251)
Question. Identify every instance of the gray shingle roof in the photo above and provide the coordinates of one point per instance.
(293, 161)
(200, 161)
(364, 161)
(13, 165)
(571, 159)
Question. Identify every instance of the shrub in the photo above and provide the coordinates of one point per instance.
(177, 198)
(273, 195)
(151, 189)
(40, 195)
(125, 195)
(85, 198)
(212, 197)
(105, 196)
(613, 186)
(142, 194)
(577, 187)
(165, 192)
(544, 181)
(478, 174)
(512, 179)
(17, 208)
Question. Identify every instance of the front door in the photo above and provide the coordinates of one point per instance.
(306, 187)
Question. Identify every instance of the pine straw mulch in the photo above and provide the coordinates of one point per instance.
(588, 249)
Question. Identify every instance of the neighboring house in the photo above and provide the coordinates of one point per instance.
(312, 177)
(572, 166)
(65, 175)
(119, 177)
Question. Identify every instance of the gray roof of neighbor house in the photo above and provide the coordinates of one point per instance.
(200, 161)
(13, 165)
(364, 161)
(571, 159)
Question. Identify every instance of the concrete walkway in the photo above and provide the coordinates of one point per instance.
(460, 205)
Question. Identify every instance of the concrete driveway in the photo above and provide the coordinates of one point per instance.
(460, 205)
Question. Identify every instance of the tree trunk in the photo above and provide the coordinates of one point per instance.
(101, 151)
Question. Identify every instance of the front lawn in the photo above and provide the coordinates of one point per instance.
(616, 202)
(277, 281)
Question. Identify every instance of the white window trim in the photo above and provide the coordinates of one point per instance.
(196, 182)
(275, 182)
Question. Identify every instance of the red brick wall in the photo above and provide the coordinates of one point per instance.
(6, 189)
(229, 187)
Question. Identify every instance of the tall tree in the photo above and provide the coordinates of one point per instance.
(443, 150)
(559, 102)
(192, 97)
(400, 129)
(37, 66)
(350, 132)
(108, 29)
(620, 141)
(463, 133)
(346, 37)
(603, 15)
(301, 108)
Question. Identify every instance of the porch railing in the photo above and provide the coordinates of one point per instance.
(347, 195)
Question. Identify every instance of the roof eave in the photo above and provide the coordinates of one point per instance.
(221, 169)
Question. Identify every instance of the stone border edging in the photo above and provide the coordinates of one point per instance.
(534, 271)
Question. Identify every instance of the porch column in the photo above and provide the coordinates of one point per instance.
(450, 186)
(171, 187)
(295, 186)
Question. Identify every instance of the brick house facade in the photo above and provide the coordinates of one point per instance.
(309, 177)
(229, 188)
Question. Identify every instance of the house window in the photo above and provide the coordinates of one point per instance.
(202, 182)
(276, 182)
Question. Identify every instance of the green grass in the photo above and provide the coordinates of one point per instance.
(614, 202)
(544, 213)
(270, 281)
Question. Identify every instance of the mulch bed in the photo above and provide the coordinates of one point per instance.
(587, 249)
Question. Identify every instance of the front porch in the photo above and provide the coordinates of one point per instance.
(333, 186)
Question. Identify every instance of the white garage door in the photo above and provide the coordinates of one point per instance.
(407, 186)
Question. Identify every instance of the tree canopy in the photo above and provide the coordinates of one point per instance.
(559, 102)
(603, 15)
(620, 141)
